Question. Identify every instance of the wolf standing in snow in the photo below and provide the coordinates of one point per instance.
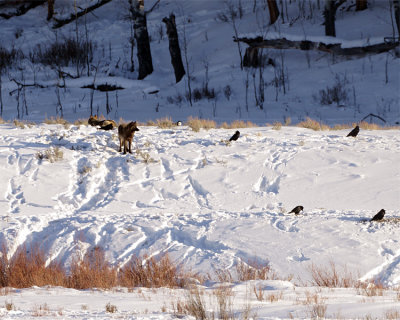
(125, 135)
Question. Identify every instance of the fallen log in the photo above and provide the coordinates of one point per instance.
(24, 8)
(62, 22)
(333, 48)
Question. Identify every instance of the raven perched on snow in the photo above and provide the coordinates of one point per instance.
(297, 210)
(354, 132)
(235, 136)
(379, 216)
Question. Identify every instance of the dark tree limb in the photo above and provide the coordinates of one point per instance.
(23, 9)
(174, 49)
(62, 22)
(373, 115)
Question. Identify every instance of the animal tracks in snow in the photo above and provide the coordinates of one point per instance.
(206, 203)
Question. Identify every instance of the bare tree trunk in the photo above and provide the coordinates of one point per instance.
(142, 38)
(329, 15)
(361, 5)
(396, 5)
(174, 49)
(273, 11)
(251, 58)
(50, 9)
(331, 7)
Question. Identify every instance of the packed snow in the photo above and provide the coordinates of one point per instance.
(209, 204)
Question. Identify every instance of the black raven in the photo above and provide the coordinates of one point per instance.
(235, 136)
(297, 210)
(379, 216)
(354, 132)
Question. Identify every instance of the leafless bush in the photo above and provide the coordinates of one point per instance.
(203, 93)
(110, 308)
(331, 277)
(224, 296)
(52, 154)
(8, 57)
(194, 304)
(371, 288)
(338, 93)
(253, 270)
(64, 53)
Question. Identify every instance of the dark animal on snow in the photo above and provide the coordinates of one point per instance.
(379, 216)
(296, 210)
(126, 132)
(354, 132)
(103, 124)
(235, 136)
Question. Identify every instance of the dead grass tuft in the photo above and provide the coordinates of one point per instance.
(165, 123)
(331, 277)
(237, 124)
(196, 124)
(52, 154)
(57, 120)
(312, 124)
(152, 273)
(28, 268)
(253, 270)
(277, 126)
(92, 271)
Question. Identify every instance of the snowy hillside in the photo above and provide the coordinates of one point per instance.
(292, 79)
(207, 203)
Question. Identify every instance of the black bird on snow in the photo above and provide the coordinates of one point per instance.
(235, 136)
(379, 216)
(354, 132)
(296, 210)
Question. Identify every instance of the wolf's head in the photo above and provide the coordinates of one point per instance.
(132, 127)
(92, 120)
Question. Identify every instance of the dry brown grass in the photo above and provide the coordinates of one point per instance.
(196, 124)
(237, 124)
(92, 271)
(224, 295)
(2, 121)
(277, 125)
(194, 304)
(52, 154)
(312, 124)
(165, 123)
(371, 288)
(56, 120)
(150, 272)
(253, 270)
(28, 268)
(331, 277)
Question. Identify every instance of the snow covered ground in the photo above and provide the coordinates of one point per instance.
(209, 205)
